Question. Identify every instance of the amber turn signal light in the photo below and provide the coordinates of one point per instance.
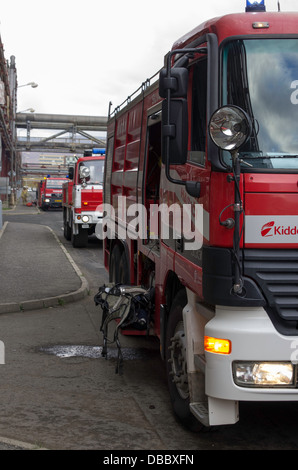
(217, 345)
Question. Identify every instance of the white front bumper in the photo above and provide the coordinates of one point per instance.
(93, 217)
(253, 338)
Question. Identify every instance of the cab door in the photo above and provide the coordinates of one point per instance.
(197, 169)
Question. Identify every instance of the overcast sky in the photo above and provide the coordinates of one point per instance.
(84, 54)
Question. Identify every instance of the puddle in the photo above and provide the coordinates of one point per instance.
(73, 351)
(95, 352)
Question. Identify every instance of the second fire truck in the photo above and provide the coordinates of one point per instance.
(82, 198)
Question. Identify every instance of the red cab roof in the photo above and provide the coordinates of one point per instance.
(241, 24)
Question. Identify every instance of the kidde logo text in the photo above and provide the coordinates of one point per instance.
(270, 229)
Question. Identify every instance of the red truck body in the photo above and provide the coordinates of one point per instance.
(49, 193)
(226, 307)
(82, 199)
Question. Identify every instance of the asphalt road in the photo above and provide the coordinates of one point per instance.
(51, 399)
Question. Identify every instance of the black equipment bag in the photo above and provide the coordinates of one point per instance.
(129, 306)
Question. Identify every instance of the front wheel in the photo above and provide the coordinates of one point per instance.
(177, 364)
(66, 227)
(81, 239)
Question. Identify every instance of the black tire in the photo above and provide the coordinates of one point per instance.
(177, 369)
(119, 270)
(81, 239)
(66, 227)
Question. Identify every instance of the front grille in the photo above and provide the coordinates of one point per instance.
(276, 272)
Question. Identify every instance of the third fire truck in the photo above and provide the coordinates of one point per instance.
(215, 135)
(49, 193)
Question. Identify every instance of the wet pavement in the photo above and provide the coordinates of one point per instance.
(59, 393)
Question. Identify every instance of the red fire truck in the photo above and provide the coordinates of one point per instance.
(217, 133)
(49, 193)
(82, 198)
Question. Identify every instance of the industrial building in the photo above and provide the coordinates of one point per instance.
(9, 157)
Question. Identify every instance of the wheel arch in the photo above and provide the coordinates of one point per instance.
(172, 286)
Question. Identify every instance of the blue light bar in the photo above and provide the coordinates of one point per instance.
(98, 151)
(255, 5)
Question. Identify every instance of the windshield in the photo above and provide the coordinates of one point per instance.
(261, 76)
(55, 184)
(96, 168)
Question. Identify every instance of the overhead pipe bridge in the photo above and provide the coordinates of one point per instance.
(75, 133)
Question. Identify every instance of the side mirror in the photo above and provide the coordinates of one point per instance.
(229, 127)
(173, 86)
(71, 173)
(177, 82)
(174, 131)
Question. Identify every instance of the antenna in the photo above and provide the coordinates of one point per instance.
(278, 5)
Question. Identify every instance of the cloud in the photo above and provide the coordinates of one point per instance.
(85, 54)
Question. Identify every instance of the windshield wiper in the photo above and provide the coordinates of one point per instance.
(282, 156)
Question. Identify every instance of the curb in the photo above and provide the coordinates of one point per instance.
(23, 445)
(56, 301)
(2, 229)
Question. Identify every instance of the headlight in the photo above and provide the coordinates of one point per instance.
(85, 218)
(46, 200)
(263, 374)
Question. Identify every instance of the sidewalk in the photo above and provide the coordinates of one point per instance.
(20, 208)
(36, 270)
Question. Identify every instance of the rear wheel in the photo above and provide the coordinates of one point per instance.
(177, 364)
(119, 270)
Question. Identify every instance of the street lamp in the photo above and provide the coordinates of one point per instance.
(14, 89)
(32, 84)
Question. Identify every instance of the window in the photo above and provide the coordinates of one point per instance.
(261, 76)
(96, 168)
(55, 184)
